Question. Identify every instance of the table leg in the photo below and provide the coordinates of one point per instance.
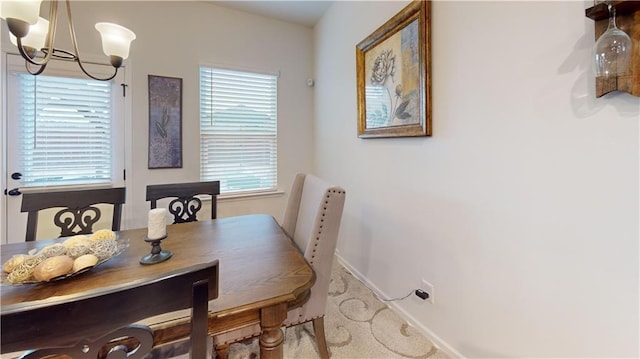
(271, 340)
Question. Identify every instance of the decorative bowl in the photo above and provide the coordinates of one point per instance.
(103, 250)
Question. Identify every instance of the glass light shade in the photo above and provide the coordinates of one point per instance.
(25, 10)
(116, 39)
(37, 35)
(612, 51)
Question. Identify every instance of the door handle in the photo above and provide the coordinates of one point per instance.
(16, 175)
(12, 192)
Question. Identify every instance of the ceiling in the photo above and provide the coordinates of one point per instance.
(304, 12)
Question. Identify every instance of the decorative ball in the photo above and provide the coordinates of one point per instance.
(13, 262)
(103, 234)
(104, 249)
(53, 267)
(83, 262)
(76, 240)
(53, 250)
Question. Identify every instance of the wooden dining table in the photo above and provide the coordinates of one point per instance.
(261, 275)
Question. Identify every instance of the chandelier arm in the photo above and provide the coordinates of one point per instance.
(115, 72)
(72, 31)
(26, 54)
(37, 72)
(53, 15)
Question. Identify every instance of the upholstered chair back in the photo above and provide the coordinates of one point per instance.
(312, 220)
(313, 215)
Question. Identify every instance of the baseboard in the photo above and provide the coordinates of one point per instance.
(437, 341)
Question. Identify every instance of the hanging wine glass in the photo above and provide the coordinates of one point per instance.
(612, 51)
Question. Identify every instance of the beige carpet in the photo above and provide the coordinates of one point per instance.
(357, 325)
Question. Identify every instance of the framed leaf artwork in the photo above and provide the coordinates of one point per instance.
(394, 76)
(165, 122)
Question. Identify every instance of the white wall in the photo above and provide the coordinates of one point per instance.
(521, 209)
(173, 39)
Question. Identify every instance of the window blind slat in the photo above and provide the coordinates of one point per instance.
(64, 130)
(238, 129)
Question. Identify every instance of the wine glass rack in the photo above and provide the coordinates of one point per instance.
(628, 20)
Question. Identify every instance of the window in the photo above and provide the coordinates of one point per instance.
(62, 129)
(238, 130)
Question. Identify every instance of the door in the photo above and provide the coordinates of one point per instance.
(64, 131)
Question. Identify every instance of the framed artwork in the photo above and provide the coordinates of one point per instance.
(394, 76)
(165, 122)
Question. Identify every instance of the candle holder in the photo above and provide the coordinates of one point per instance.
(157, 254)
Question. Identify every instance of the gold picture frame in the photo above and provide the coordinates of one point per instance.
(394, 76)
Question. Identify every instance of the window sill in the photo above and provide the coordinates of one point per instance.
(248, 196)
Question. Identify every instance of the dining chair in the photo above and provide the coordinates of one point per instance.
(79, 211)
(311, 219)
(185, 204)
(123, 336)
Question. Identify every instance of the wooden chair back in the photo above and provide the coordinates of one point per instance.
(190, 287)
(185, 205)
(79, 212)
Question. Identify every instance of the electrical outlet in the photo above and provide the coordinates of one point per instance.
(428, 287)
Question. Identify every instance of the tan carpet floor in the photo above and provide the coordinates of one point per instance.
(357, 325)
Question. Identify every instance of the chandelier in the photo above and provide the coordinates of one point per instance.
(34, 36)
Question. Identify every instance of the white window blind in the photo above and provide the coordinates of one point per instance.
(64, 130)
(238, 130)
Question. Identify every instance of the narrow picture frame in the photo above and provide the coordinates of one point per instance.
(165, 122)
(393, 71)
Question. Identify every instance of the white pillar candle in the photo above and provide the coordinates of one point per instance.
(157, 226)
